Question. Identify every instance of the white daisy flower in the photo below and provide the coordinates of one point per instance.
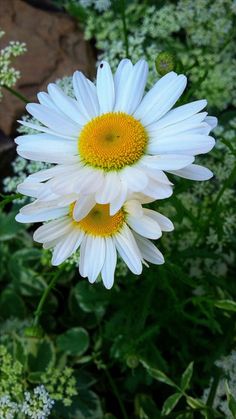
(99, 235)
(112, 140)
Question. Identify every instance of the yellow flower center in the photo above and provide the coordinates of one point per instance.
(99, 222)
(112, 141)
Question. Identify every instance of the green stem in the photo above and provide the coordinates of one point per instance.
(17, 94)
(123, 17)
(39, 309)
(116, 392)
(213, 389)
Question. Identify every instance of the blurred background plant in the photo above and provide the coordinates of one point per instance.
(129, 352)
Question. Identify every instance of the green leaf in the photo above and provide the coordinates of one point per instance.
(231, 400)
(74, 341)
(9, 228)
(91, 299)
(195, 403)
(145, 408)
(35, 377)
(158, 375)
(170, 403)
(228, 305)
(186, 377)
(86, 406)
(41, 356)
(11, 305)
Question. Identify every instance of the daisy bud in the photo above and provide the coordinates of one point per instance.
(165, 62)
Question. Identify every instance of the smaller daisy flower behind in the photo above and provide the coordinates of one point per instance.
(98, 234)
(113, 140)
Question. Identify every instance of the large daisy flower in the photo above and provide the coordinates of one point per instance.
(113, 140)
(99, 235)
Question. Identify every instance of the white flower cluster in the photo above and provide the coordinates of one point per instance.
(8, 408)
(37, 405)
(100, 5)
(227, 365)
(8, 74)
(206, 51)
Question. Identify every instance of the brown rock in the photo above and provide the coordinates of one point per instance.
(56, 48)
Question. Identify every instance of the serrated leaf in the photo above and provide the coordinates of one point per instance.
(195, 403)
(170, 403)
(228, 305)
(74, 341)
(158, 375)
(186, 377)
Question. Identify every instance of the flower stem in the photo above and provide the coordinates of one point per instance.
(39, 310)
(17, 94)
(116, 393)
(123, 17)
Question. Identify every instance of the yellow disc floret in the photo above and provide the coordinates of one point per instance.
(112, 141)
(99, 222)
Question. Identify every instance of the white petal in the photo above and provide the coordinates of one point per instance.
(167, 162)
(165, 101)
(46, 174)
(128, 250)
(105, 88)
(44, 99)
(83, 206)
(193, 172)
(53, 230)
(30, 189)
(67, 105)
(67, 246)
(45, 215)
(85, 92)
(121, 75)
(212, 121)
(157, 130)
(88, 180)
(82, 260)
(48, 157)
(164, 222)
(184, 143)
(153, 96)
(108, 269)
(131, 91)
(116, 204)
(46, 143)
(158, 190)
(46, 130)
(96, 256)
(133, 207)
(53, 120)
(136, 179)
(110, 188)
(181, 113)
(148, 250)
(145, 226)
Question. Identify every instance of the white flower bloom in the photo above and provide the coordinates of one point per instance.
(98, 234)
(114, 141)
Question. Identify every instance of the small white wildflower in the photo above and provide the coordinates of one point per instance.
(8, 408)
(37, 405)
